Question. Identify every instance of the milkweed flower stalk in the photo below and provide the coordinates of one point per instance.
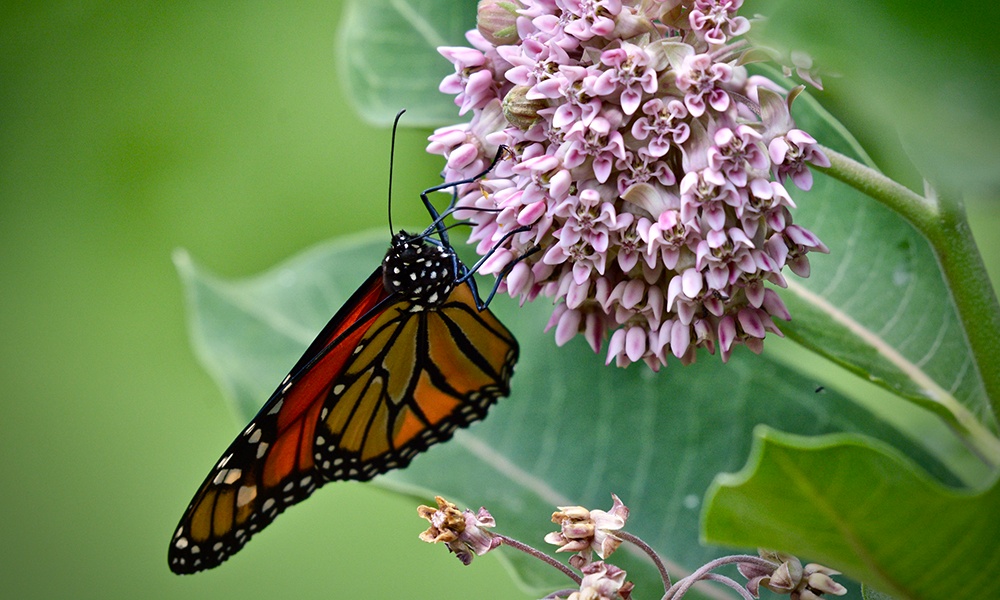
(586, 532)
(649, 168)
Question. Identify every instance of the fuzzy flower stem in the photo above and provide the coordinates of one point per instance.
(943, 222)
(632, 539)
(507, 541)
(685, 584)
(732, 583)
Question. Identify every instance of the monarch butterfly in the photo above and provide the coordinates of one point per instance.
(412, 356)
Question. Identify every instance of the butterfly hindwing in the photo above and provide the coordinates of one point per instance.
(446, 367)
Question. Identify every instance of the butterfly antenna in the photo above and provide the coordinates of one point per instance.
(392, 154)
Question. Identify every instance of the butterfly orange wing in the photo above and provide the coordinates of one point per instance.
(379, 384)
(418, 377)
(265, 465)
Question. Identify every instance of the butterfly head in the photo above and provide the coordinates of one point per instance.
(419, 271)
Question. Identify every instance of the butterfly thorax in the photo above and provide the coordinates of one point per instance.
(419, 271)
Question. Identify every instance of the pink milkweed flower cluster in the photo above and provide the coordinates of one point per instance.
(649, 168)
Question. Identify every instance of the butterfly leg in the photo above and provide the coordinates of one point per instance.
(503, 274)
(438, 218)
(468, 276)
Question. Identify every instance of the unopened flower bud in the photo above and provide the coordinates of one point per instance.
(496, 20)
(786, 577)
(519, 110)
(818, 582)
(790, 577)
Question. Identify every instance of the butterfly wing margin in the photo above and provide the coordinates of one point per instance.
(269, 466)
(418, 377)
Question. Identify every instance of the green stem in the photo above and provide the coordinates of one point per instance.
(942, 221)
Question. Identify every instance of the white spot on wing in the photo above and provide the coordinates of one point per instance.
(245, 495)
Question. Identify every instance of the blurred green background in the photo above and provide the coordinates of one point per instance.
(129, 129)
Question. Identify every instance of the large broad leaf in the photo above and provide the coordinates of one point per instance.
(878, 304)
(572, 432)
(864, 508)
(387, 50)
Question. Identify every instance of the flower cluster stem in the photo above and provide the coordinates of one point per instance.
(636, 541)
(682, 586)
(742, 591)
(942, 221)
(509, 541)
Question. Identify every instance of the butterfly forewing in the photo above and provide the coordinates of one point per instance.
(269, 466)
(407, 360)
